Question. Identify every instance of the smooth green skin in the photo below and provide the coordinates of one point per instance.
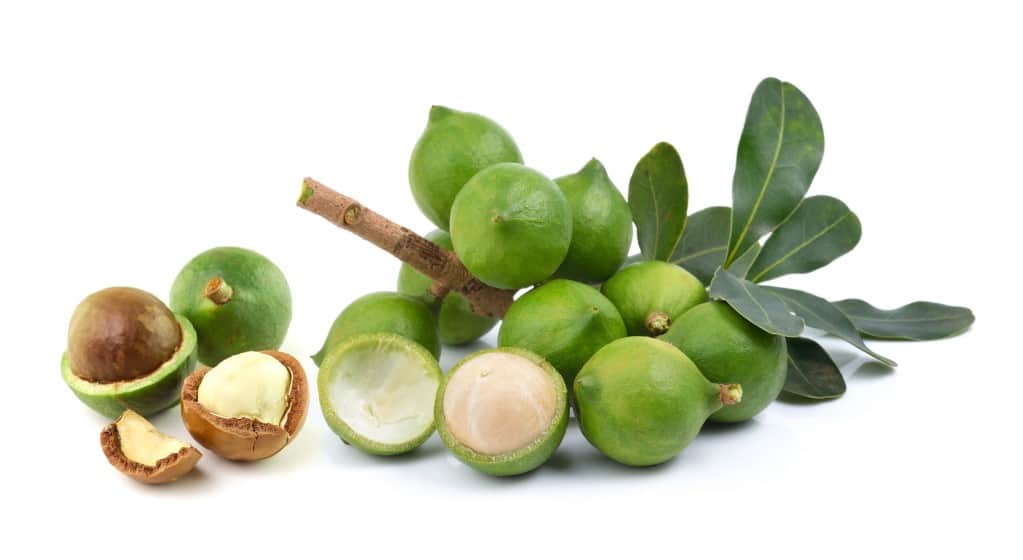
(147, 395)
(730, 349)
(454, 147)
(650, 286)
(563, 321)
(511, 226)
(641, 401)
(383, 343)
(257, 316)
(456, 323)
(525, 459)
(601, 225)
(383, 312)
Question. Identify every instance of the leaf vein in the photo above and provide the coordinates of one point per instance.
(767, 179)
(767, 317)
(657, 214)
(701, 253)
(800, 247)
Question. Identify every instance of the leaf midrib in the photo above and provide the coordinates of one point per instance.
(767, 180)
(767, 316)
(800, 247)
(657, 213)
(701, 253)
(920, 320)
(802, 373)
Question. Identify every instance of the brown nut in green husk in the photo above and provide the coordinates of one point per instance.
(248, 407)
(127, 350)
(137, 449)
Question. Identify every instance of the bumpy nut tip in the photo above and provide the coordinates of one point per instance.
(658, 323)
(730, 393)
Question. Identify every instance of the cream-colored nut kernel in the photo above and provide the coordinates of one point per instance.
(498, 403)
(247, 385)
(142, 443)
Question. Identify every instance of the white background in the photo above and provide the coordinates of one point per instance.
(133, 137)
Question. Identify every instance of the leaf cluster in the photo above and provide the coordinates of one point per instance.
(772, 230)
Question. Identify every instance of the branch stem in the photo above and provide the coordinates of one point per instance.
(422, 254)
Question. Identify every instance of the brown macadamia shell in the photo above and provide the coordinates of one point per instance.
(245, 439)
(167, 469)
(121, 334)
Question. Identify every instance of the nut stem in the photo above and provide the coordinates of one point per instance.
(658, 323)
(730, 393)
(218, 291)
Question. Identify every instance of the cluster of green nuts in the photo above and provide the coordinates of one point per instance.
(636, 349)
(130, 356)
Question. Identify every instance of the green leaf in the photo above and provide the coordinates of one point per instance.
(920, 320)
(704, 242)
(812, 373)
(818, 232)
(779, 152)
(658, 198)
(740, 266)
(756, 304)
(820, 313)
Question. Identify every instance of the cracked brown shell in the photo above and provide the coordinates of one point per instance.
(168, 469)
(245, 439)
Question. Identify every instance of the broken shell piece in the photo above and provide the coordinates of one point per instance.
(136, 448)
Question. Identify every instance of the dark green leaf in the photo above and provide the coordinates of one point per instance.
(658, 198)
(920, 320)
(756, 304)
(818, 232)
(812, 372)
(779, 152)
(740, 266)
(820, 313)
(704, 242)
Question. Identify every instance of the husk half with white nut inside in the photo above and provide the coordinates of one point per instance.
(136, 448)
(246, 439)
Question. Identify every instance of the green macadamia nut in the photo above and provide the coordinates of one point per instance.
(454, 147)
(511, 226)
(127, 350)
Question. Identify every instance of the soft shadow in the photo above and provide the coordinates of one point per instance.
(196, 481)
(714, 430)
(346, 455)
(796, 400)
(841, 354)
(579, 456)
(872, 369)
(600, 464)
